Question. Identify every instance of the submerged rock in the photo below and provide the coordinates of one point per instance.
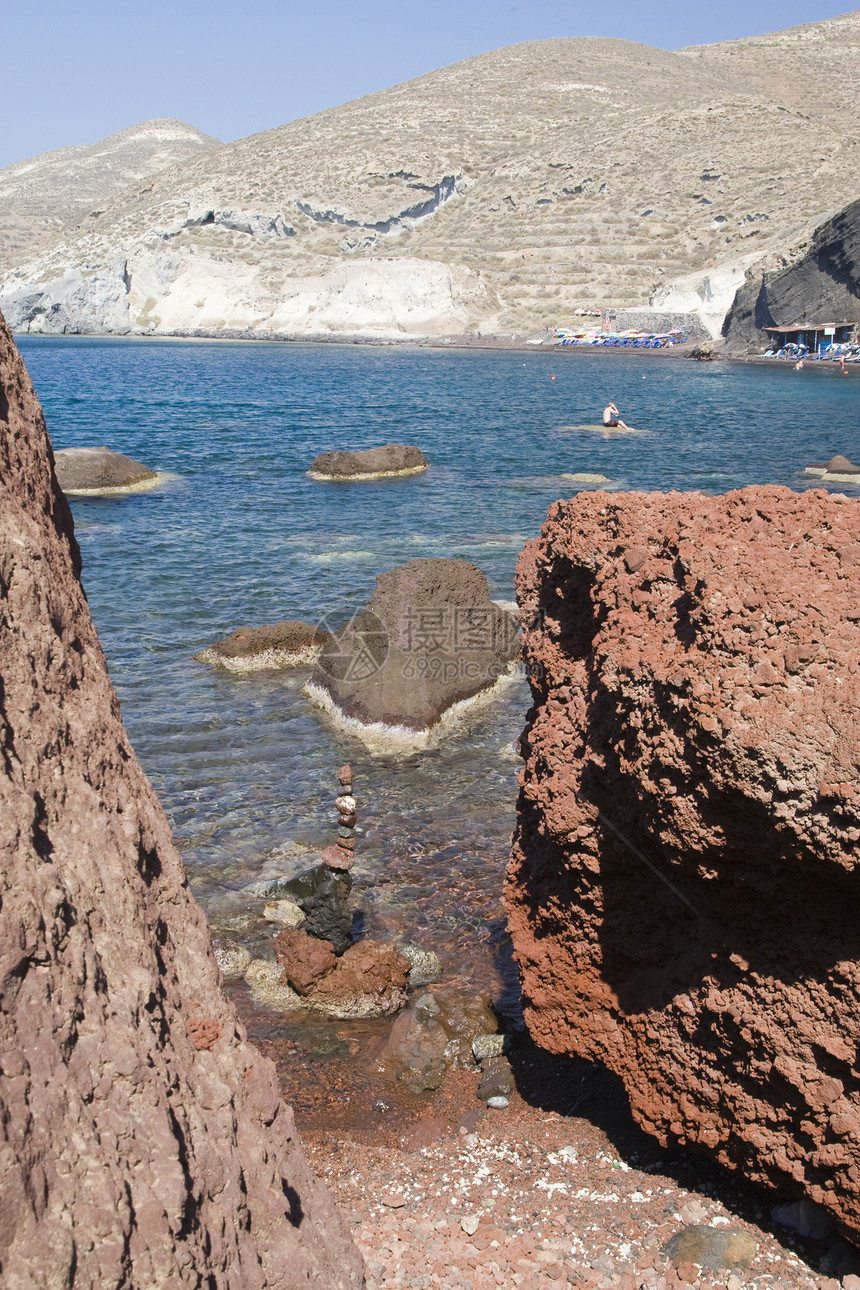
(144, 1141)
(99, 470)
(370, 463)
(436, 1032)
(429, 638)
(233, 960)
(426, 967)
(290, 643)
(683, 891)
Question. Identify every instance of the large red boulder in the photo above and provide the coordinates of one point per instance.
(143, 1140)
(683, 891)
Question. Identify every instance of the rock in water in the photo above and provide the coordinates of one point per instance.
(371, 463)
(368, 980)
(838, 469)
(429, 638)
(99, 470)
(144, 1141)
(323, 896)
(684, 886)
(289, 643)
(436, 1032)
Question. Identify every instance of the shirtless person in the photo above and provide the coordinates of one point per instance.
(611, 419)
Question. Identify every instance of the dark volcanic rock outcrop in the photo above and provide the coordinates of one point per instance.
(144, 1141)
(289, 643)
(823, 286)
(370, 463)
(683, 891)
(97, 470)
(429, 638)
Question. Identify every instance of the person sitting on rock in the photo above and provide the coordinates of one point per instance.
(611, 419)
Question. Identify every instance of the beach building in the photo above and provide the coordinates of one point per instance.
(813, 337)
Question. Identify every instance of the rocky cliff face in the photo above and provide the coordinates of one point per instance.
(143, 1140)
(498, 194)
(822, 285)
(683, 891)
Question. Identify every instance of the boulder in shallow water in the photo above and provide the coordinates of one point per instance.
(429, 638)
(837, 470)
(99, 470)
(289, 643)
(304, 959)
(436, 1032)
(387, 462)
(322, 894)
(684, 887)
(370, 980)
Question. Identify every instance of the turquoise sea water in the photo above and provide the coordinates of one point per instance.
(244, 766)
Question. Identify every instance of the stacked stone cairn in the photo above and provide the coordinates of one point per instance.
(342, 855)
(323, 893)
(320, 960)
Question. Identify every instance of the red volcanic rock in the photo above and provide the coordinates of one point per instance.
(304, 959)
(683, 891)
(369, 980)
(144, 1142)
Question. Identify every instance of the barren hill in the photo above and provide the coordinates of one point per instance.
(500, 193)
(43, 195)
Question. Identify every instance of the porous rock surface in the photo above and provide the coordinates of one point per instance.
(683, 886)
(81, 470)
(430, 637)
(143, 1140)
(369, 463)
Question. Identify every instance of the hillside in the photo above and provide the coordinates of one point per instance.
(499, 193)
(45, 194)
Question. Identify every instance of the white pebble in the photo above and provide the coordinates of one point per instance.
(470, 1224)
(497, 1103)
(345, 804)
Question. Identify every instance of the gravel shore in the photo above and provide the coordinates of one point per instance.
(558, 1188)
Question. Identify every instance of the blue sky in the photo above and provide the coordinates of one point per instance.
(75, 72)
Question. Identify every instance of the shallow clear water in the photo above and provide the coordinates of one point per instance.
(244, 766)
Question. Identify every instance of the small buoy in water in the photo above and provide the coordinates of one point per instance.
(552, 378)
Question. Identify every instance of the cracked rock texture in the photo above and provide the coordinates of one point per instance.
(143, 1141)
(683, 892)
